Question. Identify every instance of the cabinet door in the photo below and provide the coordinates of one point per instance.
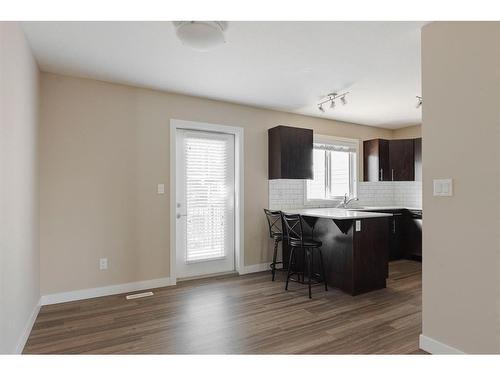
(418, 158)
(384, 161)
(290, 153)
(401, 159)
(376, 160)
(296, 153)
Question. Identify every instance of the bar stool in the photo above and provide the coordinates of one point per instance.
(296, 240)
(276, 233)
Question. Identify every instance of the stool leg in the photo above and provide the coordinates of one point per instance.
(323, 275)
(309, 264)
(273, 264)
(290, 260)
(304, 264)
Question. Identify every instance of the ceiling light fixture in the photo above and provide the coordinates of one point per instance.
(332, 97)
(201, 35)
(419, 101)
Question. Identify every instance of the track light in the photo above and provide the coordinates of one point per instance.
(419, 101)
(331, 98)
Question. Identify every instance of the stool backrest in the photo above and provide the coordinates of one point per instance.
(293, 225)
(274, 222)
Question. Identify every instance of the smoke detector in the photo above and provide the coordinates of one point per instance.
(201, 35)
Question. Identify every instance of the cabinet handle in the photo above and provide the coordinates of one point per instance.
(381, 174)
(392, 174)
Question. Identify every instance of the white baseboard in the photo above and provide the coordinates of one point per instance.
(258, 268)
(76, 295)
(27, 329)
(435, 347)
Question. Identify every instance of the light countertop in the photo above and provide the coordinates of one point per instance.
(336, 213)
(354, 208)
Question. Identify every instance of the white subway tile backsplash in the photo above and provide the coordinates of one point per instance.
(391, 193)
(285, 194)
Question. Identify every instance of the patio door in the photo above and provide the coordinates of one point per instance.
(205, 192)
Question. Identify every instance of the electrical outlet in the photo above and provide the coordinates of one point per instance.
(103, 264)
(358, 225)
(160, 189)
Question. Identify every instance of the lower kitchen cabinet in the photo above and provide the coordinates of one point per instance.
(405, 240)
(411, 239)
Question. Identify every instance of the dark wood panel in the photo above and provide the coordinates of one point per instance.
(239, 314)
(290, 153)
(392, 160)
(376, 160)
(384, 163)
(411, 241)
(401, 160)
(370, 160)
(418, 158)
(355, 262)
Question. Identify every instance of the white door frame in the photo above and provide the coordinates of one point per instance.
(239, 247)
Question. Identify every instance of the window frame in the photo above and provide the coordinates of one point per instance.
(353, 164)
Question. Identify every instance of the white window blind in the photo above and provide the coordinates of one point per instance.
(334, 169)
(209, 195)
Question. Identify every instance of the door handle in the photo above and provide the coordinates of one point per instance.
(392, 174)
(381, 174)
(180, 215)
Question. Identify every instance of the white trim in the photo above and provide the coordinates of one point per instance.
(435, 347)
(239, 187)
(321, 138)
(109, 290)
(27, 329)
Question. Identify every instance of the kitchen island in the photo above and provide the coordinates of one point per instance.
(355, 246)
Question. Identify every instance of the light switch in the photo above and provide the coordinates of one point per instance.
(161, 189)
(443, 187)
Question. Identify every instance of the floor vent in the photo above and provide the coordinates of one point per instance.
(139, 295)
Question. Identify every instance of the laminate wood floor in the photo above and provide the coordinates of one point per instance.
(239, 314)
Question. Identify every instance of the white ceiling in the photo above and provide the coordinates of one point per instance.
(286, 66)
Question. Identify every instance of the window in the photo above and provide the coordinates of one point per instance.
(334, 166)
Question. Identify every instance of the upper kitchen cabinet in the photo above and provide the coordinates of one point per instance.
(290, 153)
(418, 158)
(401, 160)
(376, 160)
(392, 160)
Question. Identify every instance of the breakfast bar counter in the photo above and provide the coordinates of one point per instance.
(355, 246)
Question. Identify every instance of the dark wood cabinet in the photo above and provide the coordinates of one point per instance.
(376, 160)
(405, 238)
(417, 145)
(392, 160)
(290, 153)
(356, 262)
(401, 160)
(411, 239)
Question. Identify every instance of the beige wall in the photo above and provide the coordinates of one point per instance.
(19, 252)
(103, 149)
(461, 237)
(408, 132)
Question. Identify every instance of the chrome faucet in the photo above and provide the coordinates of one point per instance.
(345, 202)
